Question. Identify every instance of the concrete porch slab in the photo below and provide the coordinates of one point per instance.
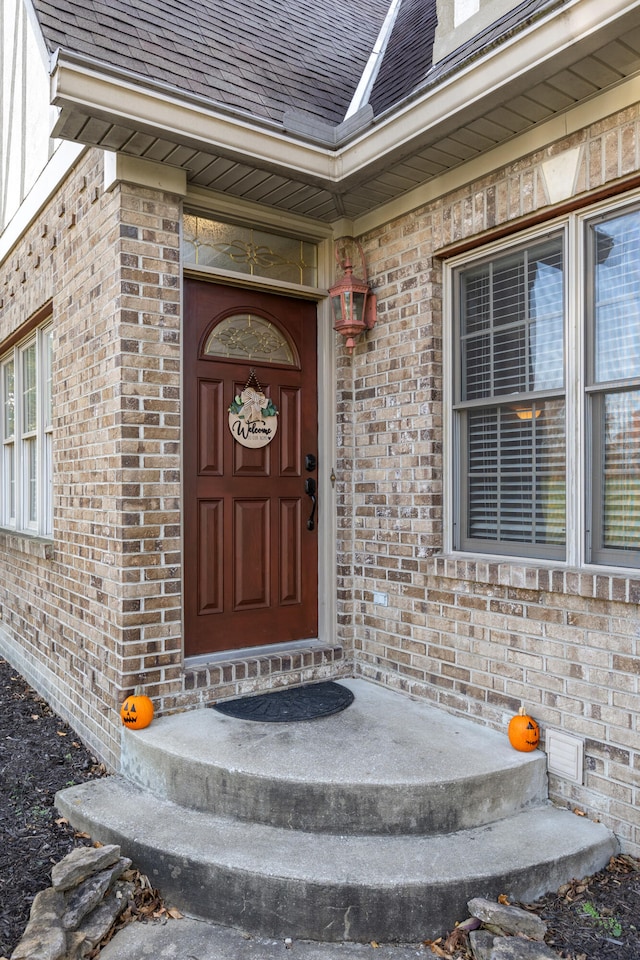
(386, 764)
(378, 823)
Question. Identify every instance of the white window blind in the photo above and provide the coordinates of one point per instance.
(510, 407)
(519, 430)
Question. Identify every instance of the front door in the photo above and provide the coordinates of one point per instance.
(251, 548)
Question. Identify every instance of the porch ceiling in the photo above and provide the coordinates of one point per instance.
(299, 168)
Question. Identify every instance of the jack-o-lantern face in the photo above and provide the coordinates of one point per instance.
(137, 711)
(524, 732)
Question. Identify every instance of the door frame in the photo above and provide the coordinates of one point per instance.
(326, 525)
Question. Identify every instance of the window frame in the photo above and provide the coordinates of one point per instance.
(461, 408)
(596, 391)
(581, 443)
(30, 445)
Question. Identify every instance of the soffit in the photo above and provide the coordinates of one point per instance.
(462, 115)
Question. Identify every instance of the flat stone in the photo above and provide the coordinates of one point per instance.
(100, 921)
(77, 946)
(481, 942)
(47, 905)
(44, 938)
(43, 943)
(507, 918)
(516, 948)
(82, 863)
(85, 897)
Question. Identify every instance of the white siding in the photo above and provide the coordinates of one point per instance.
(25, 113)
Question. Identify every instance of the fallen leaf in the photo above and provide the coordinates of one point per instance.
(457, 938)
(175, 914)
(62, 822)
(504, 900)
(82, 836)
(579, 813)
(61, 733)
(439, 952)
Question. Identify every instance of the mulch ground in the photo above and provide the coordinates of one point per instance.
(39, 755)
(596, 918)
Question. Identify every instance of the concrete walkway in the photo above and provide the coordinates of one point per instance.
(198, 940)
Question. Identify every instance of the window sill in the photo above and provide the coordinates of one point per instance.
(20, 542)
(545, 577)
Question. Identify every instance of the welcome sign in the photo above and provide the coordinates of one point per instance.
(253, 419)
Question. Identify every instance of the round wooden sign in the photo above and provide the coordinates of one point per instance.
(253, 419)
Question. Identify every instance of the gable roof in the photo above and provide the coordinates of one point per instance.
(251, 100)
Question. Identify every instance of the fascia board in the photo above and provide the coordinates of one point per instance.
(96, 93)
(461, 95)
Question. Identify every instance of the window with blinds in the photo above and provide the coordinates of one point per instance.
(510, 404)
(613, 307)
(518, 428)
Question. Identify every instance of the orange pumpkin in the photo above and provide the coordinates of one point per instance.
(137, 711)
(524, 732)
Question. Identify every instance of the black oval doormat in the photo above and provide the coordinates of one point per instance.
(287, 706)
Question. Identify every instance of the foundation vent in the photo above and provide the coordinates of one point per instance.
(565, 755)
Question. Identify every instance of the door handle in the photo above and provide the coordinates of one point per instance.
(310, 490)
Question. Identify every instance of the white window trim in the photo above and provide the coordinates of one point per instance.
(578, 517)
(20, 523)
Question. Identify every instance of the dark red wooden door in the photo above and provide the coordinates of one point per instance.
(250, 559)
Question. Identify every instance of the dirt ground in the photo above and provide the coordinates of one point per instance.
(595, 918)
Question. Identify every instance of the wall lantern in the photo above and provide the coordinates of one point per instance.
(352, 302)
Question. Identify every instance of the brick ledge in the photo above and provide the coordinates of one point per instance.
(546, 579)
(240, 676)
(26, 543)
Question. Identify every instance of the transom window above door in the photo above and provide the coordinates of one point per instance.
(245, 250)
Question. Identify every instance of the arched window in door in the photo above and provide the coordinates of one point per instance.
(247, 336)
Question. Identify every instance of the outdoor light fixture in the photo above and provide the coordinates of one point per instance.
(352, 302)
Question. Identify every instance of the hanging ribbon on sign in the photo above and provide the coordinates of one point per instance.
(253, 418)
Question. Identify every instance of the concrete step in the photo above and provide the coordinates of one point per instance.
(387, 765)
(279, 882)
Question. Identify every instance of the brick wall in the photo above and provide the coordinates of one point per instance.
(477, 638)
(97, 610)
(60, 599)
(77, 611)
